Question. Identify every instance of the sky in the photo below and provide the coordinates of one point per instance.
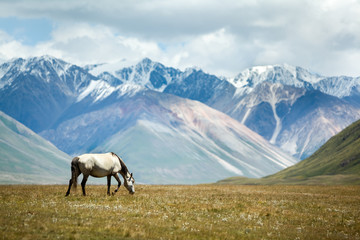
(222, 37)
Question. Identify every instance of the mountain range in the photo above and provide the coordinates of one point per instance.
(177, 126)
(291, 107)
(164, 137)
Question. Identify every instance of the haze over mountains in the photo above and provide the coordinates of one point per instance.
(147, 114)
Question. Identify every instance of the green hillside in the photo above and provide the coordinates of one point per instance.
(27, 158)
(336, 162)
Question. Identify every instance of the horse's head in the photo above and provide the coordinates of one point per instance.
(129, 183)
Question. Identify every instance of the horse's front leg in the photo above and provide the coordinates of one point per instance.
(83, 182)
(108, 184)
(116, 176)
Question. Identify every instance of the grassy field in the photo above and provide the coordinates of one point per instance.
(338, 179)
(181, 212)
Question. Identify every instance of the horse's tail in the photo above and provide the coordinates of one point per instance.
(75, 171)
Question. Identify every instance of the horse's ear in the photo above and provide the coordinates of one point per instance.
(131, 175)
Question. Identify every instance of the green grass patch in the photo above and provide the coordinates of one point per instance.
(337, 162)
(338, 179)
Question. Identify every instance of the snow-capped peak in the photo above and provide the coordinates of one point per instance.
(113, 66)
(99, 90)
(284, 74)
(258, 74)
(260, 69)
(32, 65)
(70, 78)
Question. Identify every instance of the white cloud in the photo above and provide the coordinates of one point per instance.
(81, 44)
(223, 37)
(10, 48)
(210, 52)
(84, 43)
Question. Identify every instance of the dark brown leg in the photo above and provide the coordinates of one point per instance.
(68, 191)
(116, 176)
(108, 184)
(83, 182)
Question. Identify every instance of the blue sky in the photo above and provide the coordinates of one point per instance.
(28, 31)
(221, 37)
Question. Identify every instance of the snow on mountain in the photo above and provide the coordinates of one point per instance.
(200, 86)
(109, 78)
(49, 69)
(27, 158)
(35, 91)
(166, 139)
(299, 77)
(156, 76)
(192, 83)
(295, 119)
(189, 83)
(339, 86)
(147, 73)
(100, 89)
(261, 97)
(110, 67)
(267, 98)
(100, 109)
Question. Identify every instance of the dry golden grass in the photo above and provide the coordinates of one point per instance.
(182, 212)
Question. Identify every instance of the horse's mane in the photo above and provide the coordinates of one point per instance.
(124, 169)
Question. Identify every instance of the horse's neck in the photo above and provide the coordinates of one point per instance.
(124, 174)
(124, 171)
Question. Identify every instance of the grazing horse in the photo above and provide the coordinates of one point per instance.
(100, 165)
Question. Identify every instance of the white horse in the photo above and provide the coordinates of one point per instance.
(100, 165)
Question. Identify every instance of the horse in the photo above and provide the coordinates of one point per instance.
(100, 165)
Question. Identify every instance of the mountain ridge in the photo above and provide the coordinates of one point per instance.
(237, 96)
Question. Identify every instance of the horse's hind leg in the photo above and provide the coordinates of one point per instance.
(83, 182)
(108, 184)
(68, 191)
(75, 172)
(116, 176)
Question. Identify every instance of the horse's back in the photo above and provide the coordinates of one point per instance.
(94, 155)
(97, 165)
